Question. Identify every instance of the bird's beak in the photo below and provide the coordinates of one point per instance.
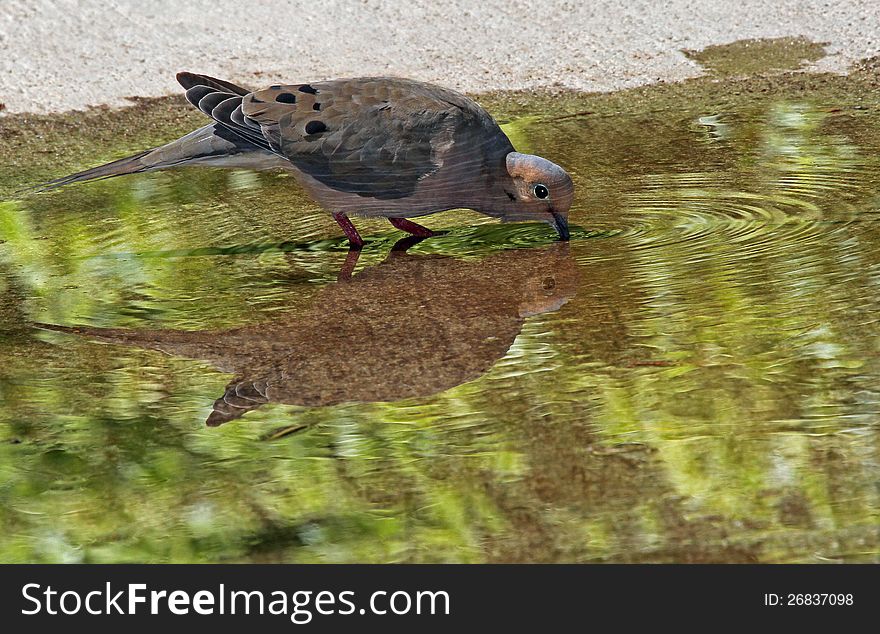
(561, 225)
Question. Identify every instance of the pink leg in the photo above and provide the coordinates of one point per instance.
(410, 227)
(354, 238)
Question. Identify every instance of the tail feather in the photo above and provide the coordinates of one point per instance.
(188, 80)
(241, 396)
(202, 146)
(128, 165)
(211, 144)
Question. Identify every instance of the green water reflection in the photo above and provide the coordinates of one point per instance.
(695, 378)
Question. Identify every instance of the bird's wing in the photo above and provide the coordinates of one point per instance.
(375, 137)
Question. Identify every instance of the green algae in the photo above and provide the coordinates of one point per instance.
(745, 58)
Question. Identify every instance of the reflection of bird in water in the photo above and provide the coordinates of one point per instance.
(373, 146)
(411, 326)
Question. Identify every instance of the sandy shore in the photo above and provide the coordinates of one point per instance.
(65, 54)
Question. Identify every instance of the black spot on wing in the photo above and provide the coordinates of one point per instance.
(375, 159)
(315, 127)
(286, 97)
(316, 106)
(307, 88)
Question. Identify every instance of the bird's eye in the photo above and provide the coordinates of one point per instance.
(541, 191)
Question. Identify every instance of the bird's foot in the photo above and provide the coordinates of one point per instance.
(355, 240)
(412, 228)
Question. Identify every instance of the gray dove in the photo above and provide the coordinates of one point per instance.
(372, 146)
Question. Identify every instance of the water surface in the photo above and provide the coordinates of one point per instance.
(694, 378)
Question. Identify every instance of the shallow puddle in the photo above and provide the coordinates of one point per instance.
(695, 377)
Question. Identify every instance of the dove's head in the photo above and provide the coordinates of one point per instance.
(541, 190)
